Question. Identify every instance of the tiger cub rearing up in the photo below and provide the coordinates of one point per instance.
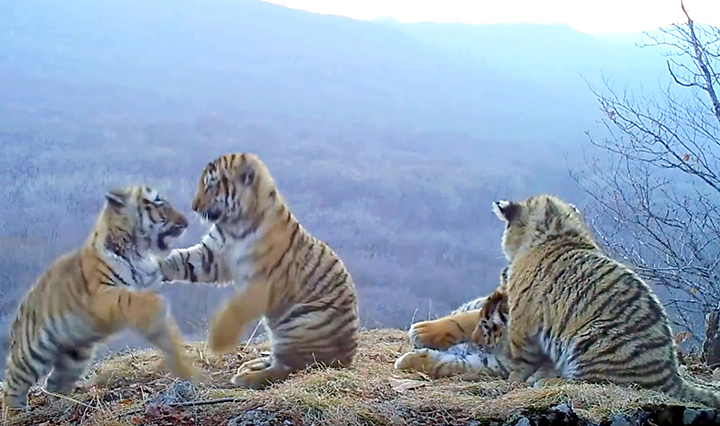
(95, 291)
(595, 318)
(294, 281)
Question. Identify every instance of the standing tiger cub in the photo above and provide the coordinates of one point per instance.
(294, 281)
(94, 292)
(592, 316)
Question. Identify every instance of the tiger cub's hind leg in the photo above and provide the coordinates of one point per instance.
(527, 358)
(455, 361)
(422, 360)
(15, 393)
(546, 375)
(445, 332)
(260, 372)
(69, 367)
(22, 373)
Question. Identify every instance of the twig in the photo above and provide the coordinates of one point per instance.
(67, 398)
(247, 343)
(412, 320)
(187, 404)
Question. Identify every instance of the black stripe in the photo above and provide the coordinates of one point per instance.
(637, 352)
(82, 275)
(26, 367)
(209, 259)
(324, 274)
(304, 309)
(611, 326)
(651, 318)
(319, 260)
(116, 276)
(646, 369)
(287, 249)
(139, 211)
(572, 306)
(27, 333)
(342, 340)
(661, 383)
(188, 268)
(37, 356)
(220, 232)
(332, 311)
(340, 277)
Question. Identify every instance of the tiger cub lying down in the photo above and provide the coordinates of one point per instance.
(465, 342)
(90, 293)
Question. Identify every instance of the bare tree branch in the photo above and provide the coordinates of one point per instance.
(656, 191)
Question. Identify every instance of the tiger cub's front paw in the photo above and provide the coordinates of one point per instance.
(225, 332)
(438, 334)
(182, 367)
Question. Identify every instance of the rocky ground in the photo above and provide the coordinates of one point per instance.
(131, 389)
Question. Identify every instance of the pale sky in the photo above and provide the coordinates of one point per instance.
(591, 16)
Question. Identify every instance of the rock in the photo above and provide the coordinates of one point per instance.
(641, 417)
(563, 415)
(181, 391)
(716, 374)
(692, 416)
(621, 420)
(259, 417)
(563, 408)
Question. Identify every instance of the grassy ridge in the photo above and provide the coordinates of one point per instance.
(130, 389)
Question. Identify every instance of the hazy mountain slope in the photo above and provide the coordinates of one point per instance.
(389, 144)
(264, 57)
(557, 56)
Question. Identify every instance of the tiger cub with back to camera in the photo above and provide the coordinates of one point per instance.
(96, 291)
(591, 315)
(294, 281)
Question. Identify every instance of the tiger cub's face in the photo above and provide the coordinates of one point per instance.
(234, 188)
(535, 217)
(493, 324)
(147, 217)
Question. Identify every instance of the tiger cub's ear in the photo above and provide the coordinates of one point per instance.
(246, 174)
(116, 198)
(506, 210)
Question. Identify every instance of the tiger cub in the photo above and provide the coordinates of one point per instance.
(592, 316)
(294, 281)
(93, 292)
(448, 346)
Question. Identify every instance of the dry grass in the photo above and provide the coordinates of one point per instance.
(361, 395)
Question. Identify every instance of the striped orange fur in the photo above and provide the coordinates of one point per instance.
(294, 281)
(592, 316)
(98, 290)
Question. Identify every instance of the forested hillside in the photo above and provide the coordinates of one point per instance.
(389, 141)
